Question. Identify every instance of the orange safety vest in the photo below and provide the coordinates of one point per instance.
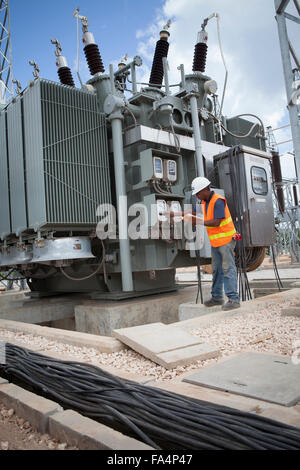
(218, 236)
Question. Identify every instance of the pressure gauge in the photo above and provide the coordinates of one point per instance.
(211, 87)
(176, 208)
(158, 171)
(171, 171)
(162, 207)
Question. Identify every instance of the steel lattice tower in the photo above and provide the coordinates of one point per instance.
(6, 76)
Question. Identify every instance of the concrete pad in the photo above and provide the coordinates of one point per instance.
(7, 297)
(165, 345)
(263, 376)
(264, 291)
(3, 381)
(192, 310)
(102, 317)
(39, 311)
(100, 343)
(185, 356)
(203, 321)
(87, 434)
(29, 406)
(291, 312)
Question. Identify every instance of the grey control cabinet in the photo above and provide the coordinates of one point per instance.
(253, 170)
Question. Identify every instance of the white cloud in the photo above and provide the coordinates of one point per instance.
(251, 48)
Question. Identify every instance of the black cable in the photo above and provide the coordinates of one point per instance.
(162, 419)
(200, 291)
(244, 286)
(277, 277)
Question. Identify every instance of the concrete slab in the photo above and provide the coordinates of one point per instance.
(203, 321)
(270, 378)
(192, 310)
(102, 317)
(39, 311)
(165, 345)
(291, 312)
(264, 291)
(185, 356)
(29, 406)
(100, 343)
(87, 434)
(7, 297)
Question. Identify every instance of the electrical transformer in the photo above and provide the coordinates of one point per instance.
(89, 175)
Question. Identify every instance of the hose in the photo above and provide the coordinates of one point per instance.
(164, 420)
(244, 136)
(102, 263)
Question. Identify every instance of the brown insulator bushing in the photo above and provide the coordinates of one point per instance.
(93, 58)
(65, 76)
(200, 55)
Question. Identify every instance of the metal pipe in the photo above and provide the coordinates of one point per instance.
(112, 79)
(119, 165)
(181, 68)
(166, 75)
(133, 77)
(197, 135)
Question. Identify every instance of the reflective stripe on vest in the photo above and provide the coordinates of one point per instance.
(221, 235)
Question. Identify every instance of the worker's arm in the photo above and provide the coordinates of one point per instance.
(195, 219)
(213, 223)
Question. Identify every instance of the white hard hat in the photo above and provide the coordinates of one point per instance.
(199, 183)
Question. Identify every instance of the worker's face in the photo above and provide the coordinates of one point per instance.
(203, 195)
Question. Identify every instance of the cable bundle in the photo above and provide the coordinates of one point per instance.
(244, 286)
(161, 419)
(277, 277)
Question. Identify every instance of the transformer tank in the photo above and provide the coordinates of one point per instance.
(87, 175)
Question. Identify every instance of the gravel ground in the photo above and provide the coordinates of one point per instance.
(18, 434)
(264, 331)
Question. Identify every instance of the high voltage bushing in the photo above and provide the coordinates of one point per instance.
(92, 54)
(65, 76)
(200, 53)
(64, 72)
(161, 50)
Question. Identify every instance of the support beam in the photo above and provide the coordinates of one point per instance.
(291, 17)
(297, 6)
(281, 5)
(293, 52)
(289, 79)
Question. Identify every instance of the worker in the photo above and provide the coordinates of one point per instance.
(221, 234)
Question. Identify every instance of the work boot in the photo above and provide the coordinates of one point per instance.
(231, 305)
(213, 302)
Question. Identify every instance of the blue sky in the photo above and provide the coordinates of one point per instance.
(35, 22)
(248, 31)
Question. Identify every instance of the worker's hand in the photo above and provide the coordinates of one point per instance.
(172, 214)
(194, 219)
